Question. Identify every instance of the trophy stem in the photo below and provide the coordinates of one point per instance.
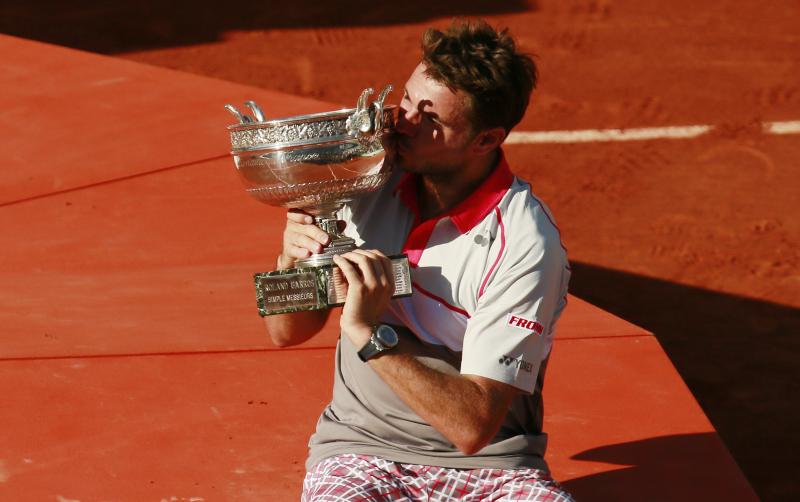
(339, 244)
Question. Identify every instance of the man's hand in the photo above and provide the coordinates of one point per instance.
(301, 238)
(370, 286)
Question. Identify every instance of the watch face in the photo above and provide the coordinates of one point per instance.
(386, 335)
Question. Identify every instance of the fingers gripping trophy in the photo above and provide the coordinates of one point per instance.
(315, 163)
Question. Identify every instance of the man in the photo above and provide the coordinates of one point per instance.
(438, 396)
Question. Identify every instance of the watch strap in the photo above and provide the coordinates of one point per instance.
(372, 348)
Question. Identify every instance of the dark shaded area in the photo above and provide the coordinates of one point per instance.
(644, 465)
(738, 356)
(112, 27)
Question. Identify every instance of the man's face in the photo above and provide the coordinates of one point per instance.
(433, 132)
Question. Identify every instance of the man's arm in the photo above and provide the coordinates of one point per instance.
(467, 409)
(286, 330)
(301, 238)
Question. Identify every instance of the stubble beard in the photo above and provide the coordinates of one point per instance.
(433, 171)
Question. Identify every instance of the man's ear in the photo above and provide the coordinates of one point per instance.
(488, 140)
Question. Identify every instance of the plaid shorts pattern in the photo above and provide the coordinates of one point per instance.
(348, 478)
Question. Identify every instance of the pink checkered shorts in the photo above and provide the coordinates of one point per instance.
(348, 478)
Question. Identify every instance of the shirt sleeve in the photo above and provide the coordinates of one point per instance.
(511, 330)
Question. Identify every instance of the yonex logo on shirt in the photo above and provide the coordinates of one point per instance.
(520, 363)
(522, 323)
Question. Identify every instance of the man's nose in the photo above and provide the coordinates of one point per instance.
(407, 122)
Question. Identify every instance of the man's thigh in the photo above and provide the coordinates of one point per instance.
(478, 485)
(362, 477)
(346, 478)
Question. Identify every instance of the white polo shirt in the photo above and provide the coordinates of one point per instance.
(490, 276)
(490, 280)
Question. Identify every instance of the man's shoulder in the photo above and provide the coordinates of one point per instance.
(526, 217)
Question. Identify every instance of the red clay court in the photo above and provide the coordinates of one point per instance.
(133, 365)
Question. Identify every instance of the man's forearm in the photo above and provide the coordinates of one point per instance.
(462, 408)
(290, 329)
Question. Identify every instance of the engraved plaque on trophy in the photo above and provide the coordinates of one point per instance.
(315, 163)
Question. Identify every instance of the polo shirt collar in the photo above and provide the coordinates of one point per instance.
(470, 211)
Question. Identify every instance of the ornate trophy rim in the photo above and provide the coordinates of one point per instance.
(342, 113)
(309, 129)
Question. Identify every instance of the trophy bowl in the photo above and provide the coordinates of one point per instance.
(315, 163)
(308, 162)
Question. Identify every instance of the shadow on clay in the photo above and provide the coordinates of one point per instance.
(737, 355)
(114, 27)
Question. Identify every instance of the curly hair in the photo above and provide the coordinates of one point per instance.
(475, 58)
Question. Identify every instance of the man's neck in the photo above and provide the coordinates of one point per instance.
(439, 194)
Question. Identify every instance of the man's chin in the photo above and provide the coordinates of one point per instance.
(408, 167)
(402, 162)
(411, 164)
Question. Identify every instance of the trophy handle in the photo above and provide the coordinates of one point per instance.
(377, 107)
(359, 124)
(257, 112)
(367, 121)
(361, 105)
(243, 119)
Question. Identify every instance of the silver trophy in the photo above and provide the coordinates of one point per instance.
(316, 163)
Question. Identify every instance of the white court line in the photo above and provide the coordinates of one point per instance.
(792, 127)
(638, 134)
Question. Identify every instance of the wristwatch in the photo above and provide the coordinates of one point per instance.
(383, 338)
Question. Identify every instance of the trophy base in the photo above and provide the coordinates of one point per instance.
(316, 287)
